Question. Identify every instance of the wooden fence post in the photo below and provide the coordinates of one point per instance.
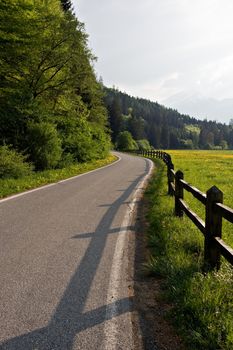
(170, 178)
(164, 157)
(213, 228)
(179, 193)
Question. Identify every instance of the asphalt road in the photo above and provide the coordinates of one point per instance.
(64, 261)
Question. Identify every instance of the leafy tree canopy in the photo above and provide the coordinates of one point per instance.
(47, 76)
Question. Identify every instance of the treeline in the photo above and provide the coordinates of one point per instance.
(163, 127)
(51, 104)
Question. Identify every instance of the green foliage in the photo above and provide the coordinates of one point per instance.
(13, 164)
(47, 76)
(193, 128)
(125, 141)
(115, 118)
(136, 127)
(143, 144)
(66, 5)
(67, 159)
(82, 139)
(203, 304)
(44, 145)
(100, 142)
(186, 144)
(223, 144)
(163, 127)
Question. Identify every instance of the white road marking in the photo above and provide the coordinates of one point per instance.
(57, 183)
(111, 327)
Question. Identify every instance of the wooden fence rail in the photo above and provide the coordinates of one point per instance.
(215, 211)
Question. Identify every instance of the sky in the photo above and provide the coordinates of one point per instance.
(176, 52)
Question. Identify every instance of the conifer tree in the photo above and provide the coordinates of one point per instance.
(115, 118)
(66, 5)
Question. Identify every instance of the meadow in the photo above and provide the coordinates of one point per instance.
(202, 304)
(203, 169)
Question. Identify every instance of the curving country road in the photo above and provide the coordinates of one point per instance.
(64, 261)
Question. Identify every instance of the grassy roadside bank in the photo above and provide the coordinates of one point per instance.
(203, 305)
(13, 186)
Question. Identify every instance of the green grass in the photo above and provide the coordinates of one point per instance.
(203, 304)
(12, 186)
(203, 169)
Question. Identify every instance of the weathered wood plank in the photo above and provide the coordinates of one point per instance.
(179, 193)
(226, 251)
(170, 179)
(195, 192)
(193, 216)
(173, 171)
(225, 211)
(173, 187)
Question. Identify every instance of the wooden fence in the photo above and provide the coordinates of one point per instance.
(215, 211)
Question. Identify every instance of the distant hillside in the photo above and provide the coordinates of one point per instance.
(201, 106)
(163, 127)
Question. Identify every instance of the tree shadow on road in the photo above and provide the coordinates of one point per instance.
(69, 318)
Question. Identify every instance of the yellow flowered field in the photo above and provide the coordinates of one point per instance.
(203, 169)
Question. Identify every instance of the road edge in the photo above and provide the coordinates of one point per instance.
(111, 328)
(58, 182)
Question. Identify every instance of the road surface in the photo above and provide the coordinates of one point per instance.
(64, 263)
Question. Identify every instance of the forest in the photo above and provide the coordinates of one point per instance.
(140, 123)
(55, 112)
(51, 103)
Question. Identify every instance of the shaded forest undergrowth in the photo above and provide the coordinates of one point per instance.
(202, 304)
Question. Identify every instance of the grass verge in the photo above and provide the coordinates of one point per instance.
(203, 304)
(12, 186)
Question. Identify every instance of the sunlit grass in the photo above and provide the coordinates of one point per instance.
(203, 304)
(203, 169)
(12, 186)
